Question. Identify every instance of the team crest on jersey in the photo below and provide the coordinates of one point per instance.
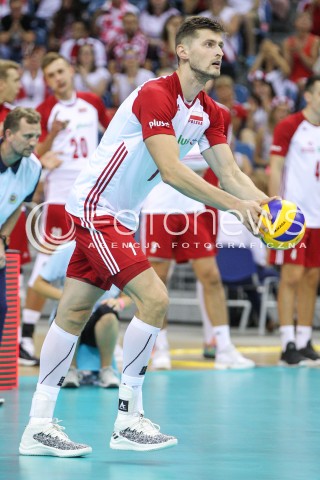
(196, 118)
(13, 198)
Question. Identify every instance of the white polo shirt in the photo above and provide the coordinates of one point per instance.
(17, 184)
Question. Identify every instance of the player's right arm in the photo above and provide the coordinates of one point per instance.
(276, 168)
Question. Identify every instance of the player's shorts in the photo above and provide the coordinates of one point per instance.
(306, 253)
(87, 335)
(55, 225)
(105, 255)
(19, 240)
(181, 237)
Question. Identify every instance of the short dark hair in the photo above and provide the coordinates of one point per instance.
(310, 83)
(190, 27)
(12, 120)
(50, 58)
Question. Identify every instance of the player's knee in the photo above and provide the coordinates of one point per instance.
(210, 278)
(108, 320)
(158, 302)
(312, 277)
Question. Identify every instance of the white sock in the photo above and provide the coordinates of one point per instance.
(222, 335)
(303, 335)
(56, 356)
(286, 335)
(43, 403)
(207, 326)
(138, 342)
(30, 317)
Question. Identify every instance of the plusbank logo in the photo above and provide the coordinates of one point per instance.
(158, 123)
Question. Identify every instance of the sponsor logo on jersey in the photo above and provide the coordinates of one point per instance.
(185, 141)
(82, 110)
(158, 123)
(13, 198)
(276, 148)
(196, 118)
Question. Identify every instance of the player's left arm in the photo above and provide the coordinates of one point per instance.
(220, 159)
(9, 224)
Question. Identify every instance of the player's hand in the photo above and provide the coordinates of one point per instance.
(114, 303)
(249, 213)
(58, 125)
(50, 160)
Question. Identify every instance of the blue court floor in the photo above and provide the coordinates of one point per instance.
(262, 424)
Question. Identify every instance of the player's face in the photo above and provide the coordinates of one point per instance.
(205, 55)
(12, 85)
(24, 140)
(59, 77)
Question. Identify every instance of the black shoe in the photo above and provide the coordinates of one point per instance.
(309, 352)
(292, 357)
(26, 359)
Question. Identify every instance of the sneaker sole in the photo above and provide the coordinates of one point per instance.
(124, 444)
(303, 363)
(42, 450)
(28, 363)
(110, 385)
(71, 385)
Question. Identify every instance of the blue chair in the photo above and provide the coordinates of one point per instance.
(238, 270)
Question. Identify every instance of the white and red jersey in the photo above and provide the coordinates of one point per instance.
(76, 143)
(298, 140)
(121, 173)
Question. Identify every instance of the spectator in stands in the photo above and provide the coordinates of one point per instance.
(231, 20)
(89, 77)
(281, 107)
(33, 87)
(224, 93)
(312, 7)
(262, 96)
(107, 22)
(131, 36)
(167, 50)
(61, 25)
(271, 64)
(301, 49)
(80, 35)
(153, 18)
(132, 76)
(16, 32)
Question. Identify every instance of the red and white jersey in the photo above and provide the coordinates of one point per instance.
(76, 143)
(298, 140)
(165, 199)
(5, 108)
(121, 173)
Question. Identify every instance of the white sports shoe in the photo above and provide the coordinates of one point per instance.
(108, 378)
(72, 379)
(230, 358)
(132, 431)
(50, 439)
(28, 345)
(161, 359)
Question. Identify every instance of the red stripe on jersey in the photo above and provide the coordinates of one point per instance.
(104, 178)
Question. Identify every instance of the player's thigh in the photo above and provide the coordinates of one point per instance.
(291, 274)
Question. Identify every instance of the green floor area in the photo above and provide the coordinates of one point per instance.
(262, 424)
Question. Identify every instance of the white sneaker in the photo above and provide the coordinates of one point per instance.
(134, 432)
(108, 378)
(161, 359)
(72, 379)
(27, 344)
(230, 358)
(50, 439)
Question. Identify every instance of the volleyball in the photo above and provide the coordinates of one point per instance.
(287, 226)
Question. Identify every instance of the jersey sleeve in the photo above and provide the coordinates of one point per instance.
(153, 109)
(98, 104)
(57, 265)
(215, 133)
(283, 134)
